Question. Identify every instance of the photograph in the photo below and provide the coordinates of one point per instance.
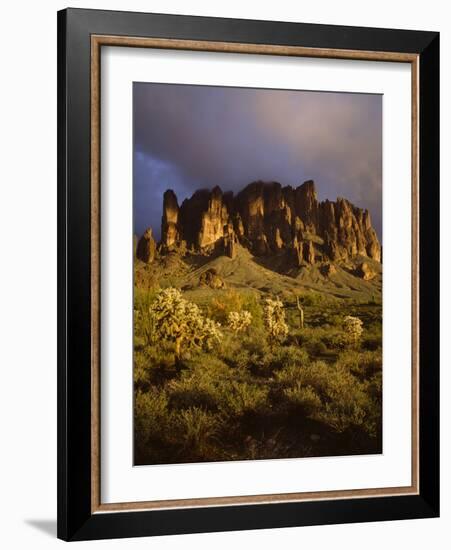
(248, 282)
(257, 269)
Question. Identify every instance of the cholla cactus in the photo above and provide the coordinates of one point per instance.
(353, 329)
(239, 320)
(275, 320)
(179, 321)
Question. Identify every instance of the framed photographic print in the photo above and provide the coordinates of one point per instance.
(248, 274)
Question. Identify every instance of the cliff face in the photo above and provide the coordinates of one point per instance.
(170, 221)
(267, 218)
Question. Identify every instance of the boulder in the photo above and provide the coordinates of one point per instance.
(211, 279)
(365, 271)
(328, 269)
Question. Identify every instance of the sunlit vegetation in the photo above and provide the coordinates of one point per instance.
(234, 374)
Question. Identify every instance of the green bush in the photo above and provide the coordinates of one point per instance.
(202, 383)
(303, 397)
(313, 299)
(188, 392)
(289, 375)
(363, 364)
(152, 417)
(285, 356)
(241, 398)
(248, 351)
(315, 374)
(144, 330)
(232, 300)
(154, 365)
(319, 340)
(346, 403)
(374, 389)
(194, 428)
(335, 396)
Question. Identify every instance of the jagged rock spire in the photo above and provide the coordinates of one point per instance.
(268, 218)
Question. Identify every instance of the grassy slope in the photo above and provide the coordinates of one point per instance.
(247, 272)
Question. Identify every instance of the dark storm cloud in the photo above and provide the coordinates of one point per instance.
(190, 137)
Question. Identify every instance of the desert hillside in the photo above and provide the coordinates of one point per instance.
(267, 237)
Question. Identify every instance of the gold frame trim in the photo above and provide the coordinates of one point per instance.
(97, 41)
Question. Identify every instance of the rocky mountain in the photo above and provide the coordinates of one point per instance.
(267, 219)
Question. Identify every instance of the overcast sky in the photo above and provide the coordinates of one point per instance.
(190, 137)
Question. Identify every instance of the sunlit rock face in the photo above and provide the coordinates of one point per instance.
(146, 247)
(169, 224)
(268, 219)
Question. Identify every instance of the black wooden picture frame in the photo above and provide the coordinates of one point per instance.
(76, 518)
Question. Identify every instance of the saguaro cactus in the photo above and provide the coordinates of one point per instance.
(301, 312)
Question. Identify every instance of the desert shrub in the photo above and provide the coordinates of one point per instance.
(239, 320)
(275, 323)
(318, 340)
(372, 338)
(284, 356)
(255, 343)
(187, 393)
(250, 350)
(212, 385)
(346, 404)
(336, 320)
(326, 337)
(374, 388)
(234, 301)
(288, 375)
(154, 365)
(226, 302)
(243, 397)
(363, 364)
(237, 356)
(315, 375)
(181, 322)
(303, 397)
(318, 348)
(313, 299)
(332, 338)
(140, 369)
(244, 359)
(371, 342)
(202, 383)
(152, 417)
(353, 328)
(335, 396)
(143, 327)
(194, 428)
